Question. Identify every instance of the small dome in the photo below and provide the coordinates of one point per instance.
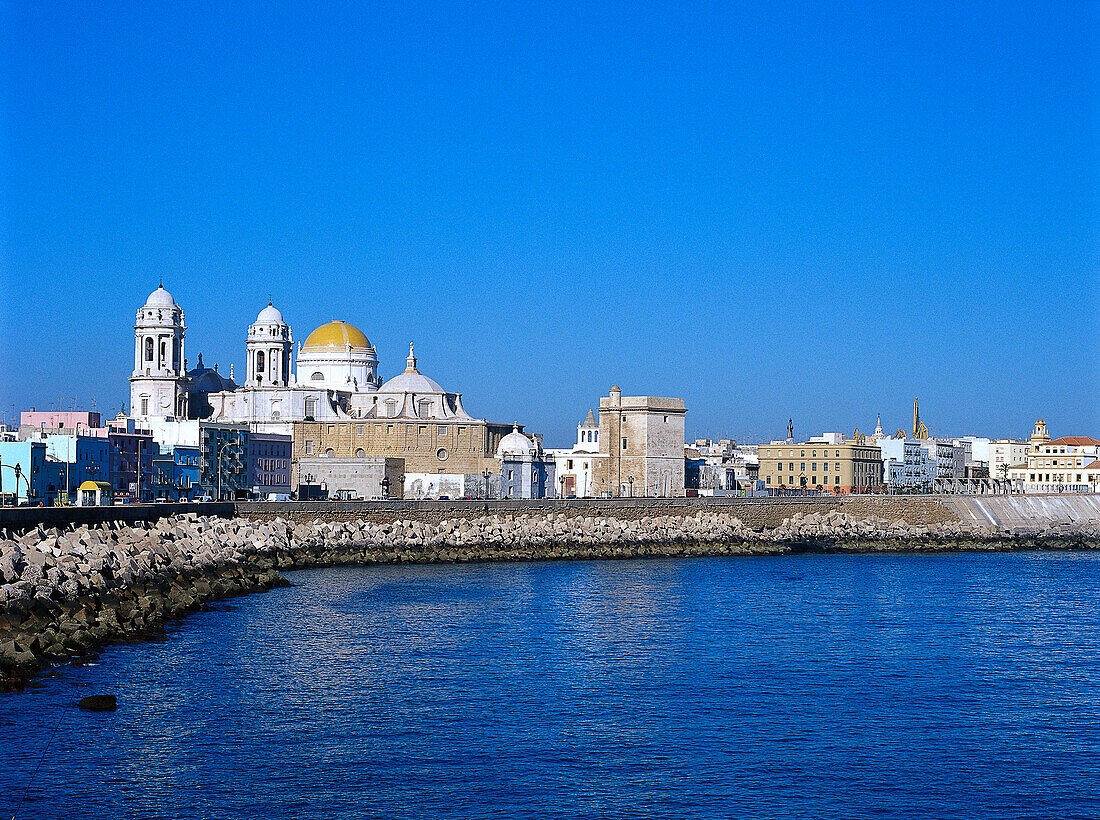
(516, 442)
(270, 315)
(160, 298)
(411, 380)
(335, 336)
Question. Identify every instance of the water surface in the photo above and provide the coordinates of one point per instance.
(809, 686)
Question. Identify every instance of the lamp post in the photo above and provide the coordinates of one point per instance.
(630, 483)
(561, 483)
(488, 493)
(385, 487)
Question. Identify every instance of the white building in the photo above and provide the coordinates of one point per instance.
(1070, 464)
(574, 466)
(1005, 453)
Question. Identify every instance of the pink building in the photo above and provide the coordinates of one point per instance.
(59, 420)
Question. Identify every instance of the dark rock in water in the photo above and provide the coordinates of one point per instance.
(98, 703)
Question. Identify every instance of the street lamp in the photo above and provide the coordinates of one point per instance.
(630, 482)
(561, 483)
(486, 475)
(385, 487)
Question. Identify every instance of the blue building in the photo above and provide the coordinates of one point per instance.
(223, 460)
(77, 459)
(23, 473)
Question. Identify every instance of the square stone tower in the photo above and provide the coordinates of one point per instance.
(641, 447)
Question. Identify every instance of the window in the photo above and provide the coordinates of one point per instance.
(359, 453)
(768, 479)
(148, 350)
(359, 429)
(836, 479)
(569, 464)
(461, 430)
(780, 466)
(624, 443)
(442, 430)
(332, 428)
(441, 454)
(318, 376)
(666, 419)
(309, 448)
(145, 407)
(803, 453)
(423, 430)
(813, 467)
(825, 466)
(329, 453)
(802, 466)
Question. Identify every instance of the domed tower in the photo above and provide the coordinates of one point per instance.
(269, 346)
(338, 356)
(158, 385)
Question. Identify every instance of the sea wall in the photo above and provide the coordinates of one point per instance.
(64, 593)
(756, 513)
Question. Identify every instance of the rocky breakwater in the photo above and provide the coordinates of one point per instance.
(65, 593)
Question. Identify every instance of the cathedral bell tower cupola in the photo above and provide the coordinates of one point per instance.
(158, 385)
(269, 347)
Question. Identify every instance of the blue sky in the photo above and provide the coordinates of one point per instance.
(772, 210)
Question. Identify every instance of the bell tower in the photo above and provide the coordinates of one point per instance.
(158, 385)
(269, 346)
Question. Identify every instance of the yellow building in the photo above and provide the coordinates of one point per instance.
(832, 464)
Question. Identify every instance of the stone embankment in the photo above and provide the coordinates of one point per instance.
(65, 593)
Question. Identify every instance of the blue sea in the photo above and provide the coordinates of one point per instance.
(857, 686)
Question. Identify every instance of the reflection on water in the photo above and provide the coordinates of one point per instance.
(809, 686)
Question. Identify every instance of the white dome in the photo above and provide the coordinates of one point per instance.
(410, 383)
(270, 314)
(160, 298)
(516, 442)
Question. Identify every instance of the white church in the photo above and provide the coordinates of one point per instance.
(333, 376)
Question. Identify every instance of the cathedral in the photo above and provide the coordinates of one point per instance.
(333, 376)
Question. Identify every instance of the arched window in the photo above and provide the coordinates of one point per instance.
(259, 364)
(318, 376)
(163, 352)
(148, 349)
(329, 453)
(360, 453)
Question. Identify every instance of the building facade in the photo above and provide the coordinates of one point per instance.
(223, 460)
(525, 470)
(831, 464)
(573, 467)
(641, 447)
(269, 458)
(1063, 465)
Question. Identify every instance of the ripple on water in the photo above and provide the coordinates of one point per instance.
(810, 686)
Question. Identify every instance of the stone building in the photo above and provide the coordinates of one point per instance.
(352, 479)
(641, 447)
(437, 452)
(830, 463)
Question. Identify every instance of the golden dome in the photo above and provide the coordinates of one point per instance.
(336, 335)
